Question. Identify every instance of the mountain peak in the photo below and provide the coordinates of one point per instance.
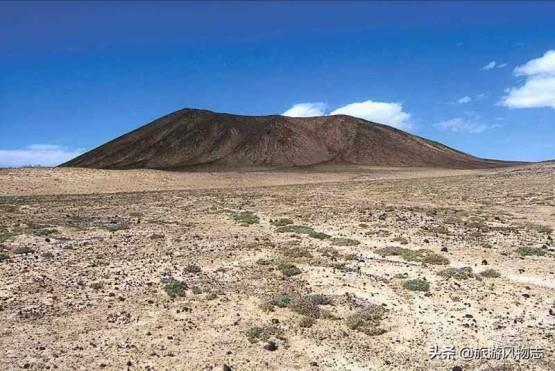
(200, 138)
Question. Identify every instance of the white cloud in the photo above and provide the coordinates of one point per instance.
(461, 124)
(381, 112)
(501, 65)
(37, 155)
(539, 88)
(489, 66)
(306, 110)
(544, 65)
(465, 99)
(391, 114)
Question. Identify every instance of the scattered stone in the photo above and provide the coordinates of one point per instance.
(270, 345)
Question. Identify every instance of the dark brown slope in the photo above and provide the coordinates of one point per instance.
(190, 137)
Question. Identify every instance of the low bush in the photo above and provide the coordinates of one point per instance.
(417, 285)
(367, 320)
(299, 229)
(457, 273)
(490, 273)
(245, 217)
(175, 288)
(530, 251)
(339, 241)
(281, 222)
(288, 269)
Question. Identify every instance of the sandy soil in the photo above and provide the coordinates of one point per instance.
(358, 269)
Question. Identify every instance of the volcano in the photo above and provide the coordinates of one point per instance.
(193, 138)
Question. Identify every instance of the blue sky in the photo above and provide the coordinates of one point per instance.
(476, 76)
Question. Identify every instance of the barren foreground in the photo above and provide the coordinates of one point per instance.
(361, 269)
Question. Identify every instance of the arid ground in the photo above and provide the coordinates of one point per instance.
(312, 269)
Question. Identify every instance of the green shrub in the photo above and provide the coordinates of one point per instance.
(423, 255)
(457, 273)
(319, 299)
(4, 234)
(260, 333)
(281, 222)
(319, 235)
(390, 251)
(297, 252)
(245, 217)
(402, 240)
(367, 320)
(417, 285)
(339, 241)
(305, 306)
(175, 288)
(490, 273)
(530, 251)
(434, 259)
(196, 290)
(262, 261)
(24, 250)
(288, 269)
(281, 300)
(3, 257)
(300, 229)
(539, 228)
(45, 232)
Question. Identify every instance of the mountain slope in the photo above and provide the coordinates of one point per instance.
(191, 137)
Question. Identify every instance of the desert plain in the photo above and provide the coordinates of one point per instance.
(331, 268)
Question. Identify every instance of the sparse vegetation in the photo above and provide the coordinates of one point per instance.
(339, 241)
(48, 255)
(263, 261)
(260, 333)
(319, 235)
(96, 286)
(245, 217)
(423, 255)
(297, 252)
(367, 320)
(434, 259)
(299, 229)
(288, 269)
(303, 305)
(281, 222)
(46, 232)
(319, 299)
(24, 250)
(490, 273)
(115, 226)
(306, 322)
(329, 251)
(192, 268)
(417, 284)
(196, 290)
(4, 234)
(402, 240)
(281, 300)
(457, 273)
(540, 228)
(175, 288)
(530, 251)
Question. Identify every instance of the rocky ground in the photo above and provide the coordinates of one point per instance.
(358, 270)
